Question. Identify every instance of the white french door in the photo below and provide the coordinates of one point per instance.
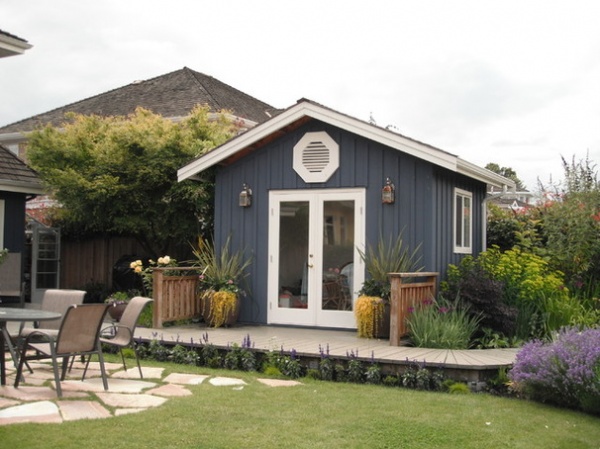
(314, 265)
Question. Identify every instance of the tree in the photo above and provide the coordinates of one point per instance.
(118, 175)
(507, 172)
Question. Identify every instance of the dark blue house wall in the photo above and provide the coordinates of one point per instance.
(14, 221)
(422, 210)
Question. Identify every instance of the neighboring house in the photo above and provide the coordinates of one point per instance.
(172, 95)
(514, 201)
(17, 183)
(320, 184)
(11, 45)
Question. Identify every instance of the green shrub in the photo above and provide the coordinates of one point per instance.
(442, 324)
(459, 388)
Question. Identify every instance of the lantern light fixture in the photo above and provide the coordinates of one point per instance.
(388, 192)
(245, 196)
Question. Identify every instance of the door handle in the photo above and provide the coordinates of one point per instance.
(310, 265)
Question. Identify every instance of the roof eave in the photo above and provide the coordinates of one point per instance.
(32, 188)
(12, 46)
(308, 109)
(484, 175)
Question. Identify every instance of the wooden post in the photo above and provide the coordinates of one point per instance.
(157, 284)
(405, 295)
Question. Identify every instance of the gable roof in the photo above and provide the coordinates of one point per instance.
(172, 95)
(305, 110)
(11, 45)
(16, 176)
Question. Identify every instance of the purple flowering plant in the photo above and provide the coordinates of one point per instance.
(565, 371)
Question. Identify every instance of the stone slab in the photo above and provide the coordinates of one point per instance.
(130, 400)
(75, 410)
(185, 379)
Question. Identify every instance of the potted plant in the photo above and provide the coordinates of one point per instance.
(372, 308)
(118, 302)
(219, 282)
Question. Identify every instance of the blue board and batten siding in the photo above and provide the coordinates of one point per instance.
(423, 208)
(14, 220)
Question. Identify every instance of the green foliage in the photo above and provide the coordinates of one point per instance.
(459, 388)
(3, 255)
(517, 292)
(507, 172)
(389, 256)
(118, 175)
(441, 324)
(221, 270)
(526, 277)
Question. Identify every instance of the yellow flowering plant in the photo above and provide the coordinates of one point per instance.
(146, 271)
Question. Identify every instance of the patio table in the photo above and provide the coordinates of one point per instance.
(15, 314)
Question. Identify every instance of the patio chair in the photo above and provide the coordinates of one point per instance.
(78, 335)
(123, 332)
(54, 300)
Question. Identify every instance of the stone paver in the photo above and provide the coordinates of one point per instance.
(170, 390)
(279, 382)
(130, 400)
(44, 411)
(226, 382)
(75, 410)
(185, 379)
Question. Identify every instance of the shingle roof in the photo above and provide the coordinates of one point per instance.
(15, 175)
(171, 95)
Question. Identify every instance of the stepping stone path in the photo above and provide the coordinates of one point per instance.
(127, 393)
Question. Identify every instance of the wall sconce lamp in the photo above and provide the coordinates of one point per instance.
(388, 192)
(246, 196)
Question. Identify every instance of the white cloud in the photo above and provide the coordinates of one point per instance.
(510, 82)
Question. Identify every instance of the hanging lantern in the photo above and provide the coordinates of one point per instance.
(387, 192)
(246, 196)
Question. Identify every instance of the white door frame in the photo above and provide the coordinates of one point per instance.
(313, 315)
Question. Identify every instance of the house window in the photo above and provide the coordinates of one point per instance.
(463, 221)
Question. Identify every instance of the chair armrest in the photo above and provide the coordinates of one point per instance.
(114, 330)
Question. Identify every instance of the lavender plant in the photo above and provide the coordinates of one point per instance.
(565, 371)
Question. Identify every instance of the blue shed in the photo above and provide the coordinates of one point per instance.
(323, 185)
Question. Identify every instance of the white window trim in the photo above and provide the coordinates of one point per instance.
(462, 249)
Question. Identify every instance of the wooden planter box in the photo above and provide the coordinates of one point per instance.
(175, 297)
(408, 289)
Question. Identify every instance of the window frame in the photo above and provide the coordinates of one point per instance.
(463, 246)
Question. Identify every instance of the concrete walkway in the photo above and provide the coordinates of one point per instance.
(35, 400)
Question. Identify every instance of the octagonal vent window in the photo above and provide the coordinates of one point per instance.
(316, 157)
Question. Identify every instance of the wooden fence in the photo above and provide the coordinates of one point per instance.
(408, 289)
(175, 296)
(92, 261)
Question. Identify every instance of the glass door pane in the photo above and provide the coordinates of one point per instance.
(293, 254)
(338, 255)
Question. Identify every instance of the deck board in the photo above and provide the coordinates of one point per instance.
(310, 342)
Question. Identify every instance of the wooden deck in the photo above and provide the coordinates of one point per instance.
(465, 365)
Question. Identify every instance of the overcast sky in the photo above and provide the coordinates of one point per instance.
(511, 82)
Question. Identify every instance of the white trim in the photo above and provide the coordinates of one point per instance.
(313, 315)
(305, 108)
(333, 157)
(462, 249)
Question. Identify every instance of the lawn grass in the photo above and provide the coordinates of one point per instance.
(319, 415)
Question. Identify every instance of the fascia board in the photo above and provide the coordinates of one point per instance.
(21, 187)
(484, 175)
(228, 149)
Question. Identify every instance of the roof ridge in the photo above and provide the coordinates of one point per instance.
(68, 105)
